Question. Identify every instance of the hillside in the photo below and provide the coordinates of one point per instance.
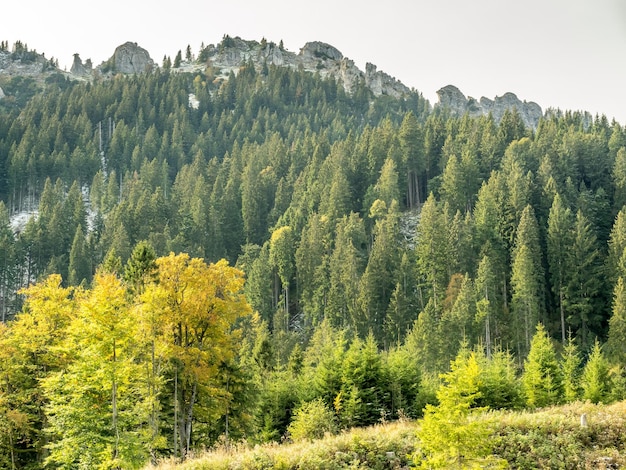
(223, 247)
(550, 438)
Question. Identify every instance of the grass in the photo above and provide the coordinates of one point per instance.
(550, 438)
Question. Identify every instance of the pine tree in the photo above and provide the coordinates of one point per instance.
(617, 325)
(525, 300)
(583, 283)
(141, 267)
(412, 150)
(542, 379)
(448, 436)
(559, 241)
(80, 262)
(362, 382)
(432, 250)
(595, 379)
(570, 368)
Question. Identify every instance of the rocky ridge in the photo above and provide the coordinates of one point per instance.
(317, 57)
(450, 97)
(26, 64)
(233, 52)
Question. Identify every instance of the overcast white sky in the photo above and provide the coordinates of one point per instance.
(569, 54)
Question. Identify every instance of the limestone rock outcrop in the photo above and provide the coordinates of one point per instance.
(320, 51)
(26, 63)
(79, 69)
(317, 57)
(129, 58)
(452, 98)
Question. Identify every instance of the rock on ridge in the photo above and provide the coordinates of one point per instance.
(80, 69)
(316, 57)
(129, 58)
(26, 63)
(451, 97)
(233, 52)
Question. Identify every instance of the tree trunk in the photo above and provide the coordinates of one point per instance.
(562, 314)
(114, 406)
(176, 411)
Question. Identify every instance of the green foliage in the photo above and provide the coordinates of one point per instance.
(450, 436)
(617, 325)
(595, 379)
(570, 367)
(312, 420)
(320, 195)
(542, 379)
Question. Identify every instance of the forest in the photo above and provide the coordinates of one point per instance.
(284, 252)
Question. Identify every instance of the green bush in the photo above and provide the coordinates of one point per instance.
(312, 421)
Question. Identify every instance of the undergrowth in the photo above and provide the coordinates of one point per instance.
(551, 438)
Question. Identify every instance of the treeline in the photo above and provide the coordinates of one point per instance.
(376, 235)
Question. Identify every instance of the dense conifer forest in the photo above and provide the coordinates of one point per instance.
(283, 252)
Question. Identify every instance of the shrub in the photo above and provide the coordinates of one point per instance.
(312, 421)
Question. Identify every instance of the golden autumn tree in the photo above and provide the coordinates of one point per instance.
(28, 352)
(96, 407)
(197, 305)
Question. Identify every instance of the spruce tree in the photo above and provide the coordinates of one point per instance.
(542, 379)
(595, 379)
(615, 345)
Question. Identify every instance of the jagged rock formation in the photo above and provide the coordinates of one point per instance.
(451, 97)
(2, 95)
(25, 63)
(317, 57)
(80, 69)
(129, 58)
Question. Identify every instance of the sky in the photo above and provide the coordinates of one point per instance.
(567, 54)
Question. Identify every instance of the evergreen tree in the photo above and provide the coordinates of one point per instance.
(80, 262)
(448, 436)
(412, 150)
(570, 368)
(617, 325)
(525, 300)
(141, 267)
(377, 284)
(583, 284)
(595, 379)
(559, 242)
(542, 379)
(8, 263)
(432, 250)
(362, 383)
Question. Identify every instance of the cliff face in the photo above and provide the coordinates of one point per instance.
(79, 69)
(25, 63)
(129, 58)
(317, 57)
(233, 52)
(451, 97)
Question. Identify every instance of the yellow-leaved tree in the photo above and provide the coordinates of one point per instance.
(95, 406)
(29, 350)
(191, 312)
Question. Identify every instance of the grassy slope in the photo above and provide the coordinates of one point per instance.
(550, 438)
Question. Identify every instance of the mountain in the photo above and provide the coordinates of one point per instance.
(451, 97)
(380, 242)
(232, 52)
